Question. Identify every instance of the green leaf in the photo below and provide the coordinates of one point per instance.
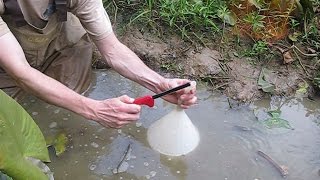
(275, 121)
(263, 84)
(4, 176)
(294, 37)
(307, 7)
(257, 4)
(59, 142)
(303, 88)
(20, 138)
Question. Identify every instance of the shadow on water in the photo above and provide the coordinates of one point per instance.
(230, 139)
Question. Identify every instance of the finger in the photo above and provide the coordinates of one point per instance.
(126, 99)
(189, 102)
(129, 117)
(187, 98)
(128, 107)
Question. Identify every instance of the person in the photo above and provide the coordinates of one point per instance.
(46, 50)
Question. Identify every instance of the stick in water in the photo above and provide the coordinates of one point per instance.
(283, 170)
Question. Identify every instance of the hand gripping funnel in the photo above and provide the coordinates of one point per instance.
(174, 134)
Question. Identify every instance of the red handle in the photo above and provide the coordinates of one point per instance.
(145, 100)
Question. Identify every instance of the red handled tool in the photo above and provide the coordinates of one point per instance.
(149, 100)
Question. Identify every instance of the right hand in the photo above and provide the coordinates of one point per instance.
(116, 112)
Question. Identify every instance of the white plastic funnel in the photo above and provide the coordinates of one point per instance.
(174, 134)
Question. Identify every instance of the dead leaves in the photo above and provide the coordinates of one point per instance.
(286, 55)
(286, 52)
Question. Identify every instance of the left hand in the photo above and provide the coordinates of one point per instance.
(184, 98)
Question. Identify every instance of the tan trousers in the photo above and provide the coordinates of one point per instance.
(62, 51)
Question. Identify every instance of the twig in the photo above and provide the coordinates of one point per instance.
(283, 171)
(308, 55)
(220, 86)
(294, 47)
(229, 103)
(300, 62)
(204, 44)
(116, 11)
(124, 157)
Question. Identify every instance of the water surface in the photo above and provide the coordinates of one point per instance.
(229, 138)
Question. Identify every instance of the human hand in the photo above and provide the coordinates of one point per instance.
(116, 112)
(184, 98)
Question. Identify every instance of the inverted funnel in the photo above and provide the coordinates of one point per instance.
(174, 134)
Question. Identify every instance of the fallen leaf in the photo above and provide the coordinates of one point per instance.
(59, 142)
(263, 83)
(275, 121)
(287, 58)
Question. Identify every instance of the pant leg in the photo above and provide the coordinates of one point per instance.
(72, 66)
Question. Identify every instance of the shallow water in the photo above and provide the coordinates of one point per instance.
(229, 139)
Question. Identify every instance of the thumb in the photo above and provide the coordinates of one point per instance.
(126, 99)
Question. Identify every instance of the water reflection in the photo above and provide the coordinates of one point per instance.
(230, 139)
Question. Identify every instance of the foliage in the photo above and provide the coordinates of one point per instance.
(275, 121)
(59, 142)
(263, 19)
(258, 48)
(186, 16)
(4, 176)
(316, 81)
(263, 83)
(21, 139)
(266, 20)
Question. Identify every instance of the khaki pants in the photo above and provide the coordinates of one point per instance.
(71, 66)
(62, 51)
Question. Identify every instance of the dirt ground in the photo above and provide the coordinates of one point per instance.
(237, 77)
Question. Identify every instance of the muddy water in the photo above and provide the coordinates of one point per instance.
(230, 139)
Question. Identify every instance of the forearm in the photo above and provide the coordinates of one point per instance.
(12, 59)
(128, 64)
(53, 92)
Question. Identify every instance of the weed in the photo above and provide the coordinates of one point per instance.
(255, 20)
(258, 48)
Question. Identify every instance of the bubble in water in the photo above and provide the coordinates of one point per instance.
(92, 167)
(147, 176)
(138, 124)
(56, 111)
(32, 100)
(35, 113)
(53, 125)
(178, 172)
(138, 130)
(146, 164)
(95, 145)
(153, 173)
(119, 131)
(65, 119)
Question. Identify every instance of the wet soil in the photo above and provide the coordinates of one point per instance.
(222, 68)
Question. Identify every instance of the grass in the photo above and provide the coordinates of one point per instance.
(203, 21)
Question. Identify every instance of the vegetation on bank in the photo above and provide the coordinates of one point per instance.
(289, 27)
